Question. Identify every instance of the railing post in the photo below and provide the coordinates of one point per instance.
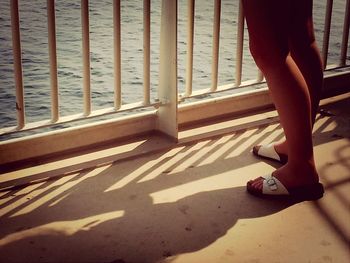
(240, 40)
(53, 59)
(146, 50)
(167, 91)
(190, 34)
(345, 39)
(216, 41)
(326, 33)
(17, 63)
(117, 54)
(86, 56)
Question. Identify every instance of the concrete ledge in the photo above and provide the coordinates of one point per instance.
(58, 142)
(32, 171)
(244, 102)
(92, 135)
(251, 101)
(336, 84)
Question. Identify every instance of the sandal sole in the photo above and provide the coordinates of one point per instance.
(302, 193)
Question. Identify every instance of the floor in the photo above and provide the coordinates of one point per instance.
(186, 203)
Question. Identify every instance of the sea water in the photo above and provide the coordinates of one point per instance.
(35, 61)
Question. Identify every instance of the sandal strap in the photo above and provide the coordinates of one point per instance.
(273, 186)
(269, 151)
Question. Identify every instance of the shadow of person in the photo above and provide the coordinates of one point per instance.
(144, 232)
(145, 210)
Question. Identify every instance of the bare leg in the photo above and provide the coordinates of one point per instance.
(305, 53)
(269, 24)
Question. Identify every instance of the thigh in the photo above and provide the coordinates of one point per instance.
(268, 25)
(301, 27)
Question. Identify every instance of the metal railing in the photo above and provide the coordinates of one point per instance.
(327, 30)
(240, 46)
(215, 49)
(22, 125)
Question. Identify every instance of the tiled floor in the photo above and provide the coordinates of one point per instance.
(185, 204)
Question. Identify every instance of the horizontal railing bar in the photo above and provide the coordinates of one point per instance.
(221, 88)
(77, 117)
(331, 67)
(244, 84)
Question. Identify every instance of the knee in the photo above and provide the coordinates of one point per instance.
(267, 56)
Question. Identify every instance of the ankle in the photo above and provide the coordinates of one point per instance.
(281, 147)
(307, 167)
(291, 175)
(301, 158)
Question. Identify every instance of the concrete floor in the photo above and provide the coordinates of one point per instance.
(185, 204)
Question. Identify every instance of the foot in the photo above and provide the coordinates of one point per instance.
(302, 178)
(274, 151)
(273, 188)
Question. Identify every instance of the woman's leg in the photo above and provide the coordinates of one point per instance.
(305, 53)
(269, 25)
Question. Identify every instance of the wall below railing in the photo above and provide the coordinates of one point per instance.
(91, 135)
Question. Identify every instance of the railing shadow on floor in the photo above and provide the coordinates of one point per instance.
(122, 206)
(145, 209)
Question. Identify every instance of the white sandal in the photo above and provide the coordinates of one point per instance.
(272, 187)
(268, 152)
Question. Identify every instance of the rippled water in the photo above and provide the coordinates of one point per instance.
(68, 25)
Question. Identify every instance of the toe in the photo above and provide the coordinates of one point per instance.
(255, 186)
(259, 179)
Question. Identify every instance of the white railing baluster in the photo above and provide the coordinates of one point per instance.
(190, 34)
(167, 88)
(146, 50)
(17, 63)
(216, 38)
(86, 56)
(239, 48)
(326, 33)
(53, 59)
(117, 54)
(345, 39)
(260, 76)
